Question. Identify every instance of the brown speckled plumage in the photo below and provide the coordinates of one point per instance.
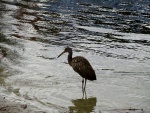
(83, 68)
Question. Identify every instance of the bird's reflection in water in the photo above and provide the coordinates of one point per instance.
(84, 105)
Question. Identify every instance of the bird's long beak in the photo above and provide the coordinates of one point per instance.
(61, 54)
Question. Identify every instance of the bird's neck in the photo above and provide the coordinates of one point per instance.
(70, 57)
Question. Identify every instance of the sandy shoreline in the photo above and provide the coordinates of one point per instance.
(7, 106)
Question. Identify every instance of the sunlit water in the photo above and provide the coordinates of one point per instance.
(113, 35)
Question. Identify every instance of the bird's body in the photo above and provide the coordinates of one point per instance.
(80, 65)
(83, 67)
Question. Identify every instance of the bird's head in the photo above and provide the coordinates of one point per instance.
(67, 49)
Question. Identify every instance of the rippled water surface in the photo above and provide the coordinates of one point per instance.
(114, 35)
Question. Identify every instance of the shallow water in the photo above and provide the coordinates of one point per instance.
(113, 35)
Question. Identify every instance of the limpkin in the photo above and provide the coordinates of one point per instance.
(80, 65)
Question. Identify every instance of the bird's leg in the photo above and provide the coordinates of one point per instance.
(84, 94)
(85, 84)
(82, 83)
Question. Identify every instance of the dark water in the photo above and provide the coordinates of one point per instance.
(114, 35)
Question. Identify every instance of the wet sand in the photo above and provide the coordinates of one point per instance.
(7, 106)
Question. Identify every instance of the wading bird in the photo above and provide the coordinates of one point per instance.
(80, 65)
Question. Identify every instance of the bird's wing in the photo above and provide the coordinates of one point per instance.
(82, 67)
(81, 61)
